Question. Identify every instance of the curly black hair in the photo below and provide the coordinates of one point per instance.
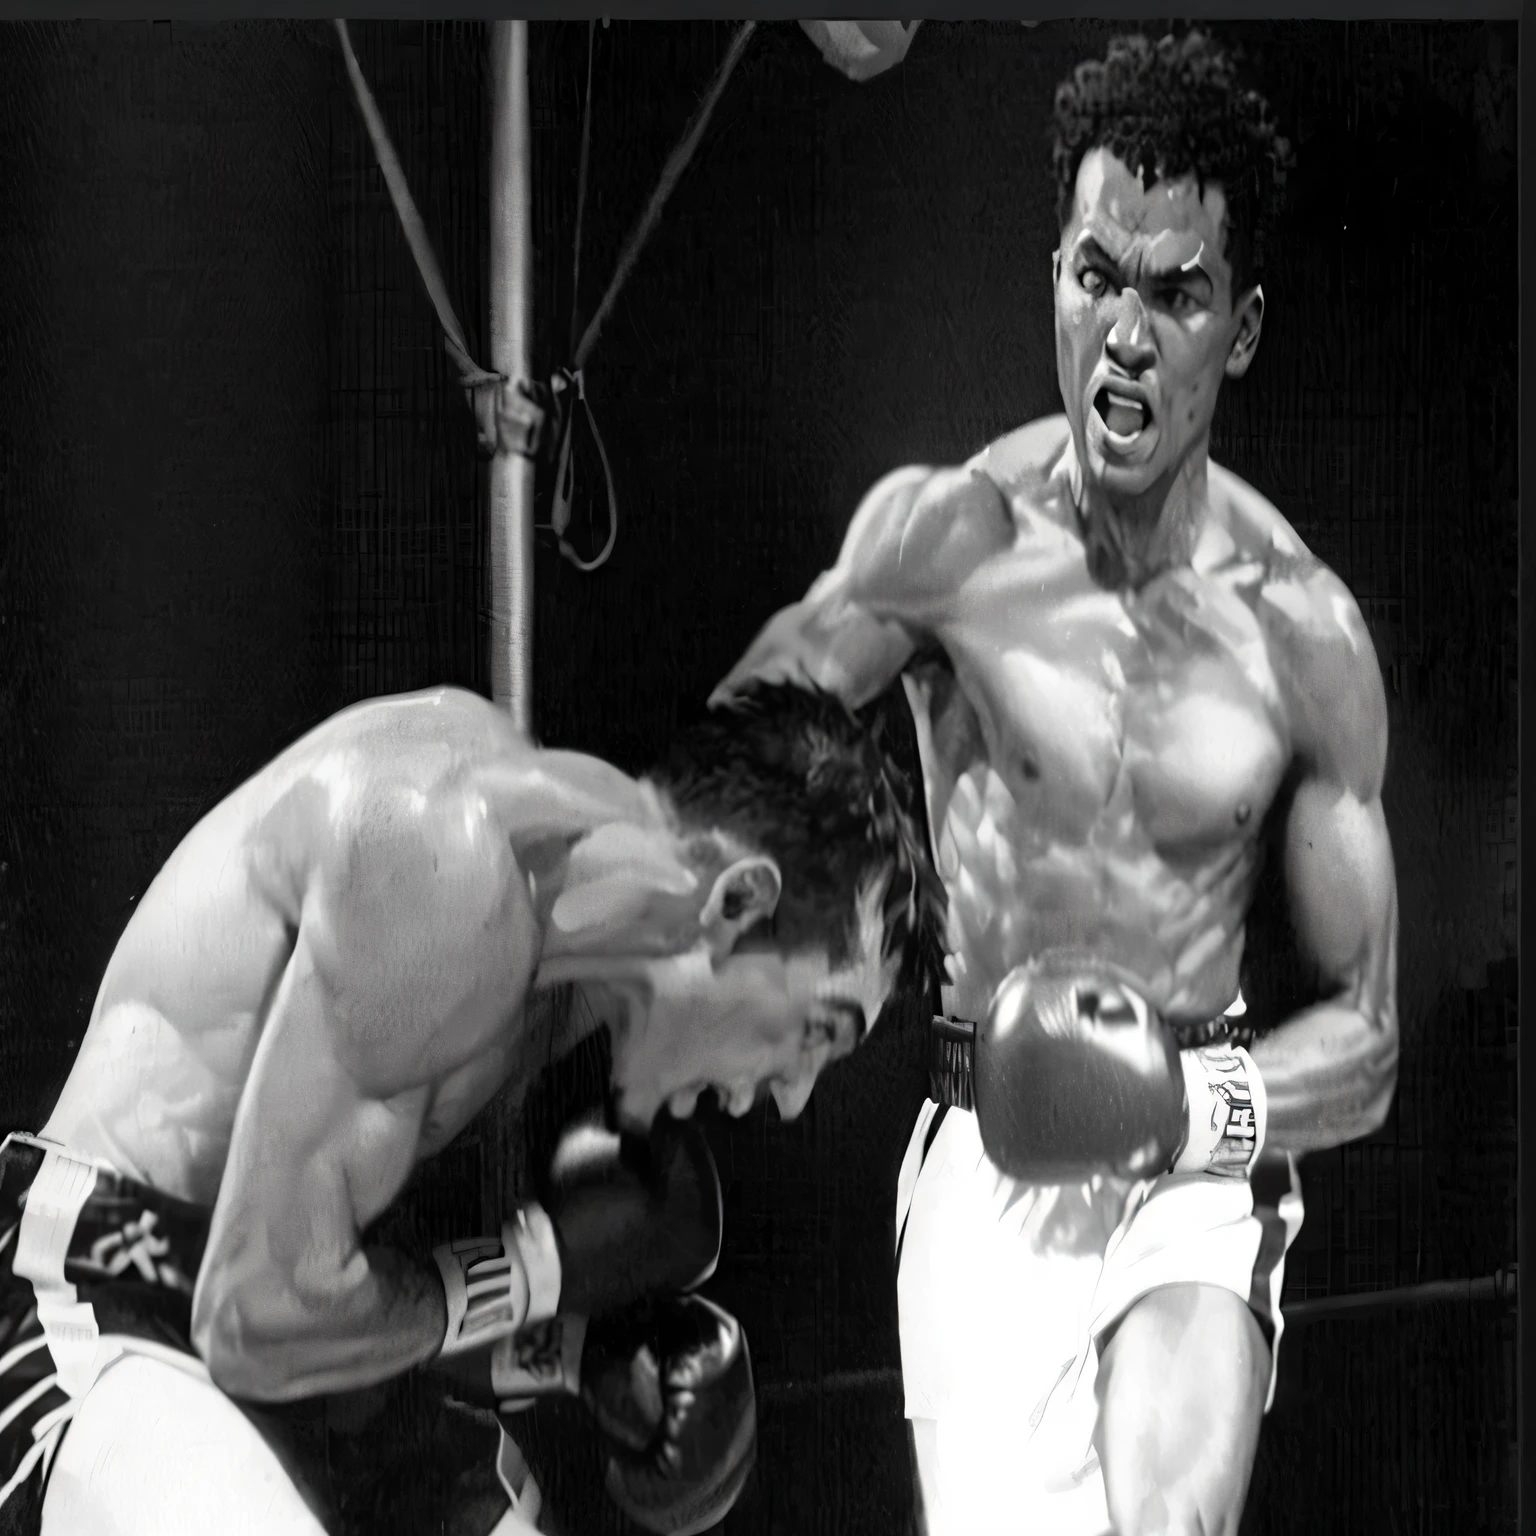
(794, 774)
(1171, 108)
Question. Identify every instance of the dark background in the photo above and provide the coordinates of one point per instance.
(238, 491)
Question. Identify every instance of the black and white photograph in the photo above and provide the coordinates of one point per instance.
(759, 776)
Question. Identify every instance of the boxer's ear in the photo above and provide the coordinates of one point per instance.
(744, 895)
(1248, 311)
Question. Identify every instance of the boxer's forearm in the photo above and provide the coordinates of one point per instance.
(1329, 1076)
(842, 636)
(283, 1342)
(823, 642)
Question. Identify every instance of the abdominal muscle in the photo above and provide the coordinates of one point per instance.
(1177, 925)
(1179, 932)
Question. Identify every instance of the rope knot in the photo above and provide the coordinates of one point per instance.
(526, 419)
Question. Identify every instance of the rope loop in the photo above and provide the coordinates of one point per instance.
(516, 419)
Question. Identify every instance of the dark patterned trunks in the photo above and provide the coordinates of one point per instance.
(97, 1255)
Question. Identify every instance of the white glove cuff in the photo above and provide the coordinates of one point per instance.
(542, 1360)
(494, 1285)
(1227, 1111)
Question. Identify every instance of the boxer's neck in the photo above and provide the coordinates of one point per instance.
(615, 883)
(1130, 539)
(622, 898)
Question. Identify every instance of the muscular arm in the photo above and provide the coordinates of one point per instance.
(857, 627)
(1330, 1071)
(290, 1303)
(369, 1016)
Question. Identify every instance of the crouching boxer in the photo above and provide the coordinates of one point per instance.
(326, 981)
(1131, 680)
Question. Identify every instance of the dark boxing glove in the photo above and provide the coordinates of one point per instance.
(634, 1216)
(619, 1217)
(1076, 1075)
(669, 1384)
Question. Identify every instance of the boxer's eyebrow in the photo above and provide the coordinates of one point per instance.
(1090, 248)
(1191, 274)
(1193, 270)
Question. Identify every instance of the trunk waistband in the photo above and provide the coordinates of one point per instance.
(124, 1231)
(952, 1052)
(93, 1265)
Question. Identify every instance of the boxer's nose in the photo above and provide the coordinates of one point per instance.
(1130, 338)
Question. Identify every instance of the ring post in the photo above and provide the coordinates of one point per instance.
(511, 285)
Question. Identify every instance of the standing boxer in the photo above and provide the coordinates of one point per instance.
(1126, 672)
(323, 985)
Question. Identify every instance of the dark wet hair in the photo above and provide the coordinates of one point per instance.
(795, 775)
(1173, 108)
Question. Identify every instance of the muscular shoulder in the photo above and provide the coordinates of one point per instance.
(1318, 637)
(413, 859)
(1258, 529)
(922, 530)
(1021, 462)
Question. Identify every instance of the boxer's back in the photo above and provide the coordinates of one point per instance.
(181, 1006)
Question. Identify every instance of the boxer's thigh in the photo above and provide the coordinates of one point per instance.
(1182, 1384)
(154, 1449)
(994, 1285)
(988, 1479)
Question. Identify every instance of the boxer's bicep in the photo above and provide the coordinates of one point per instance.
(289, 1302)
(1330, 1071)
(1343, 893)
(1338, 853)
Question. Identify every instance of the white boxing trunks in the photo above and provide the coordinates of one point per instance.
(1004, 1290)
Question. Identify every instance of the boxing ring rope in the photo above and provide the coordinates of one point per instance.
(1502, 1287)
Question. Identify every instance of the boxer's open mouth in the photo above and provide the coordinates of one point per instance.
(1123, 415)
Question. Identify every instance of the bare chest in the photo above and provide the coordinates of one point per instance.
(1097, 768)
(1151, 717)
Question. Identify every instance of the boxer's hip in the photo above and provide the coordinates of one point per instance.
(92, 1263)
(1003, 1288)
(995, 1279)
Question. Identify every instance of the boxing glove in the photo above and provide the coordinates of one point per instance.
(620, 1217)
(633, 1216)
(1075, 1074)
(668, 1383)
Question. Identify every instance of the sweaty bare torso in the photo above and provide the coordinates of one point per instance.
(181, 1008)
(1099, 763)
